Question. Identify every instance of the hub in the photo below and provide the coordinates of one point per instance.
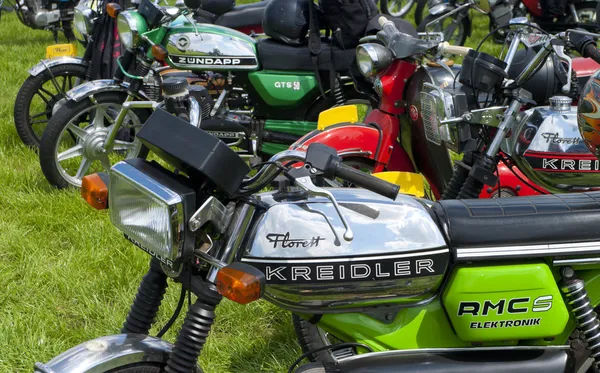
(93, 144)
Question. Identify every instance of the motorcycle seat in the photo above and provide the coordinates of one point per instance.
(274, 55)
(243, 15)
(525, 227)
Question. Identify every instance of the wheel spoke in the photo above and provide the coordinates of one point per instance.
(73, 152)
(50, 94)
(40, 114)
(99, 116)
(77, 131)
(64, 85)
(42, 97)
(83, 167)
(123, 145)
(105, 163)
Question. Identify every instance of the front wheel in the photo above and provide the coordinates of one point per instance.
(38, 96)
(455, 31)
(72, 145)
(396, 8)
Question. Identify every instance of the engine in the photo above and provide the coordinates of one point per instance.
(548, 148)
(36, 15)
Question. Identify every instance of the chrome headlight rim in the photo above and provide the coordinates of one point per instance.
(373, 59)
(83, 22)
(153, 182)
(127, 19)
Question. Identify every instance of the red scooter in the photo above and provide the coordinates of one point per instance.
(381, 143)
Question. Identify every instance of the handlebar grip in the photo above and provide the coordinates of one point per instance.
(458, 50)
(592, 52)
(367, 181)
(382, 21)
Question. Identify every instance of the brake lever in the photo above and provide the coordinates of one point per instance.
(560, 53)
(306, 184)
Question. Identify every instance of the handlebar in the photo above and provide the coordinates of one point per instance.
(366, 181)
(592, 52)
(446, 48)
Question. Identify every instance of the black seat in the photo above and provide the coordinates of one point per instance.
(244, 15)
(274, 55)
(547, 225)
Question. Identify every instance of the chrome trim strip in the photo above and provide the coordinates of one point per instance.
(529, 250)
(361, 258)
(446, 350)
(575, 261)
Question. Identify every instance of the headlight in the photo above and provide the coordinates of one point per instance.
(83, 21)
(437, 105)
(130, 25)
(151, 208)
(372, 58)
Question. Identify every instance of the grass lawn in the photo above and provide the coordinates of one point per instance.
(68, 276)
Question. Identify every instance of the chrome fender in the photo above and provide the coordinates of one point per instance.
(109, 352)
(47, 64)
(98, 86)
(441, 8)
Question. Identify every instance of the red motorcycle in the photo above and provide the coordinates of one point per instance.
(396, 128)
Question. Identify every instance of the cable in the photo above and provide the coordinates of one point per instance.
(503, 159)
(330, 347)
(175, 315)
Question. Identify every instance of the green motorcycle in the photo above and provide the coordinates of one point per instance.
(268, 94)
(408, 285)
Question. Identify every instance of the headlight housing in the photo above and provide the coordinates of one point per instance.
(152, 208)
(130, 25)
(83, 20)
(373, 58)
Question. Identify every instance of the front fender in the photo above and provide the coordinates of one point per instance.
(107, 353)
(98, 86)
(47, 64)
(348, 139)
(439, 9)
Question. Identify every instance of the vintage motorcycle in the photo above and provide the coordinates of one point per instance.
(269, 94)
(50, 79)
(52, 15)
(452, 17)
(406, 282)
(374, 145)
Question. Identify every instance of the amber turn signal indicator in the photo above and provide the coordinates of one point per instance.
(240, 282)
(159, 52)
(94, 191)
(113, 9)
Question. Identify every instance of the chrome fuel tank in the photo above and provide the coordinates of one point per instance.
(209, 47)
(549, 150)
(398, 254)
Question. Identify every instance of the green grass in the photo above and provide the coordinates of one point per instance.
(67, 275)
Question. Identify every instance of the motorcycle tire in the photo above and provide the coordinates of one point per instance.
(464, 28)
(73, 111)
(29, 133)
(403, 5)
(420, 10)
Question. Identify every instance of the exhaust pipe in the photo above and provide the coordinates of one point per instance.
(534, 359)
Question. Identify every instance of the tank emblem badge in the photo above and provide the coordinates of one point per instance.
(286, 242)
(183, 43)
(414, 113)
(553, 138)
(369, 268)
(291, 85)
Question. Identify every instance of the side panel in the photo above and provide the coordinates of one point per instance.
(504, 302)
(284, 89)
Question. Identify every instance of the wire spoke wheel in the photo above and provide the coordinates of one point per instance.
(73, 144)
(38, 98)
